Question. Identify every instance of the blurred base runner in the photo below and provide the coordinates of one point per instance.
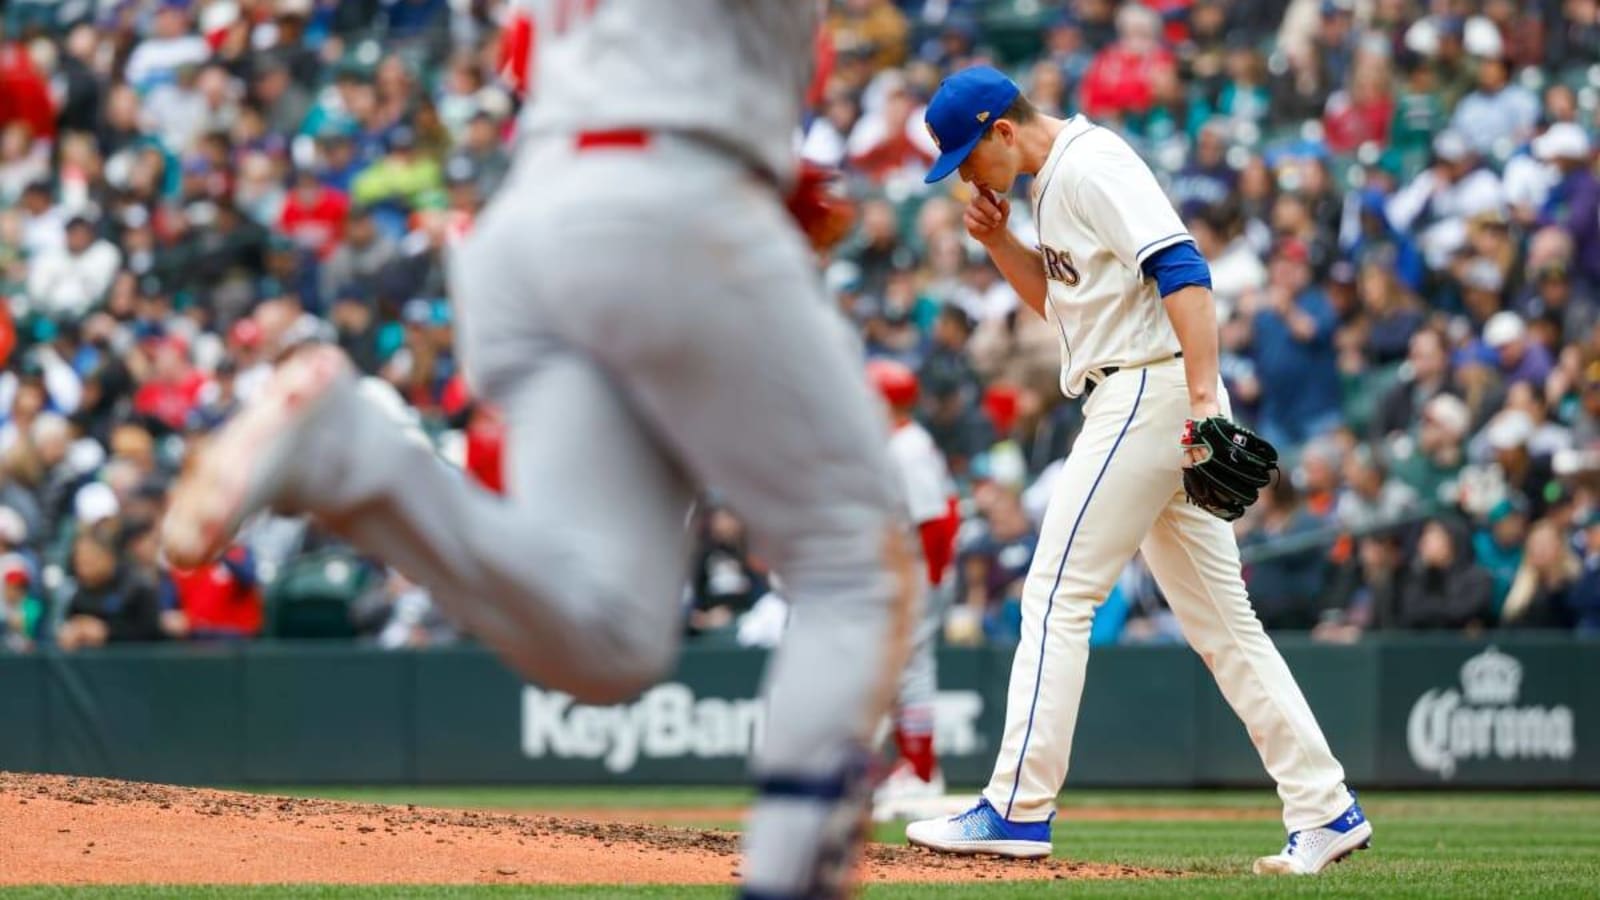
(669, 336)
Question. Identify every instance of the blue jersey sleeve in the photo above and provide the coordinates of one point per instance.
(1177, 266)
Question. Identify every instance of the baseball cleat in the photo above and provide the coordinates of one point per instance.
(1311, 850)
(244, 468)
(902, 792)
(981, 831)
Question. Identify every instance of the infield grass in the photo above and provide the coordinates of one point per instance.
(1426, 845)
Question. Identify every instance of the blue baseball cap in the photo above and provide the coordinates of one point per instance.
(960, 114)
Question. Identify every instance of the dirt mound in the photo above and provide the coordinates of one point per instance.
(64, 830)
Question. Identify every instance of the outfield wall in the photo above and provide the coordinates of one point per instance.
(1399, 712)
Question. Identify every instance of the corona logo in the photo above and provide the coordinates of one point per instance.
(1491, 678)
(1482, 721)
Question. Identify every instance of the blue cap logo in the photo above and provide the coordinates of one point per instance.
(960, 114)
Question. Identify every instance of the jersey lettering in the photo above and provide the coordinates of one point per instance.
(1058, 266)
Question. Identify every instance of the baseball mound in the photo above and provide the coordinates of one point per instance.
(65, 830)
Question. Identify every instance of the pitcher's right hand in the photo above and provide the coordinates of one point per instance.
(986, 217)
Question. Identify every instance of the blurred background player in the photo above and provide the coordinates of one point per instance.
(669, 337)
(930, 496)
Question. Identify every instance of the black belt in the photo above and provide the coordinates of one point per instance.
(1108, 371)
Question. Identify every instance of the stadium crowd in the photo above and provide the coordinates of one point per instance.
(1398, 200)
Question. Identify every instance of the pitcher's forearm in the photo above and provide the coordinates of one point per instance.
(1194, 318)
(1023, 269)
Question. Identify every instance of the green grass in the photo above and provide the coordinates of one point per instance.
(1426, 845)
(570, 797)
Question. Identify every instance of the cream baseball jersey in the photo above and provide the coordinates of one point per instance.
(1100, 215)
(731, 71)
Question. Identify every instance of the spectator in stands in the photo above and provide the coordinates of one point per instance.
(1366, 588)
(1047, 90)
(39, 384)
(947, 366)
(1202, 53)
(1573, 37)
(1236, 270)
(1202, 187)
(1497, 547)
(1363, 114)
(275, 92)
(107, 602)
(1521, 358)
(1118, 82)
(876, 28)
(1429, 458)
(1584, 598)
(1548, 436)
(1066, 49)
(219, 602)
(1574, 199)
(69, 280)
(218, 398)
(43, 466)
(23, 160)
(1371, 498)
(959, 428)
(481, 147)
(403, 178)
(994, 563)
(878, 251)
(1292, 343)
(1380, 244)
(404, 616)
(725, 580)
(21, 609)
(1441, 589)
(1419, 113)
(170, 46)
(1436, 204)
(171, 391)
(1285, 587)
(1524, 473)
(314, 214)
(828, 134)
(1540, 595)
(1335, 42)
(890, 138)
(1499, 114)
(43, 223)
(1244, 102)
(1557, 297)
(1586, 416)
(1389, 315)
(359, 257)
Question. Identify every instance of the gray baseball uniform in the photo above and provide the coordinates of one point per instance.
(647, 315)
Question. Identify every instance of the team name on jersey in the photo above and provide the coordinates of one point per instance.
(1058, 266)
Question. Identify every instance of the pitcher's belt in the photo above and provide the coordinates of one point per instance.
(1109, 371)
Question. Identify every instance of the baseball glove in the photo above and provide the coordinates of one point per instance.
(825, 214)
(1237, 463)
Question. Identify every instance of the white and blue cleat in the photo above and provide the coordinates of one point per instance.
(982, 831)
(1311, 850)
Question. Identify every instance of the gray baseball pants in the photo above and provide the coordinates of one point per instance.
(650, 321)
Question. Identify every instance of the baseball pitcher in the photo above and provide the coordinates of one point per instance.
(1158, 467)
(639, 304)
